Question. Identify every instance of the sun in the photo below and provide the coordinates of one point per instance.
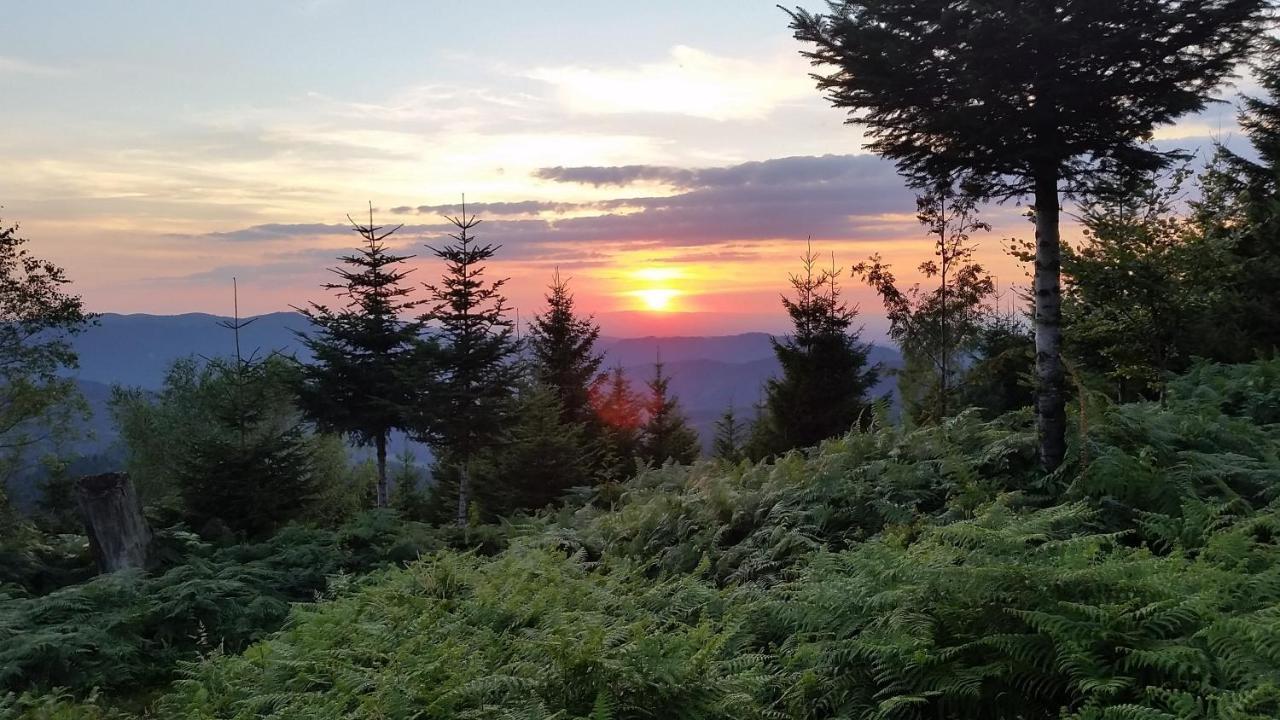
(656, 299)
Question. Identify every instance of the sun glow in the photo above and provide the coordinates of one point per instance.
(656, 299)
(658, 274)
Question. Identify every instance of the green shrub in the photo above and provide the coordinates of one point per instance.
(129, 631)
(918, 574)
(532, 633)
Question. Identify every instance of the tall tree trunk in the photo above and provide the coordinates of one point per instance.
(119, 535)
(384, 499)
(464, 494)
(1051, 416)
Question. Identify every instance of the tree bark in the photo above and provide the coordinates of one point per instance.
(464, 494)
(1051, 417)
(384, 499)
(119, 535)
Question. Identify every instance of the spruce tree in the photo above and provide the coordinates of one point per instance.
(826, 377)
(1142, 288)
(762, 436)
(731, 437)
(406, 495)
(358, 383)
(1240, 208)
(666, 434)
(936, 329)
(1025, 98)
(563, 349)
(542, 455)
(472, 374)
(621, 416)
(1001, 377)
(250, 469)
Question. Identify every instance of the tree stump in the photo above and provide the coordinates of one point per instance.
(119, 535)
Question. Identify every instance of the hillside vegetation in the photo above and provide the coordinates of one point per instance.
(892, 573)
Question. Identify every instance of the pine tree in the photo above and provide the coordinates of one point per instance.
(666, 434)
(358, 381)
(472, 374)
(825, 374)
(1026, 98)
(563, 346)
(731, 437)
(936, 329)
(620, 415)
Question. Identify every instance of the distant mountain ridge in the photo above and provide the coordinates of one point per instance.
(708, 373)
(137, 350)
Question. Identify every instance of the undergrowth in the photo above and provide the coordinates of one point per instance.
(924, 574)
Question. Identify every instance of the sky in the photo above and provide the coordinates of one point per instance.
(672, 158)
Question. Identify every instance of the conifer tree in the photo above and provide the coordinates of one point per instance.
(935, 329)
(825, 373)
(1240, 207)
(666, 434)
(1026, 98)
(407, 495)
(731, 437)
(472, 373)
(620, 415)
(358, 382)
(250, 471)
(1001, 377)
(251, 468)
(563, 348)
(762, 437)
(543, 455)
(1142, 287)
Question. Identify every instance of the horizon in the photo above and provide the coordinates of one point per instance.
(678, 178)
(637, 320)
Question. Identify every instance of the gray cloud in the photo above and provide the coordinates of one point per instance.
(617, 175)
(276, 231)
(766, 173)
(832, 197)
(522, 207)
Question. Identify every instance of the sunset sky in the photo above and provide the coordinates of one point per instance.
(665, 153)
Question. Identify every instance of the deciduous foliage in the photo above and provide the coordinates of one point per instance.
(38, 317)
(937, 329)
(825, 373)
(359, 382)
(666, 435)
(1025, 98)
(471, 376)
